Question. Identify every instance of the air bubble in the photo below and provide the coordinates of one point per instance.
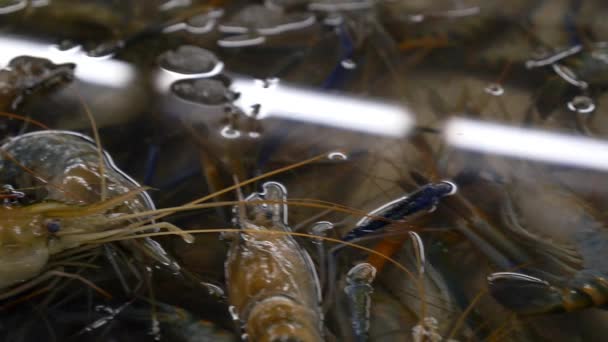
(337, 156)
(188, 59)
(230, 132)
(254, 135)
(348, 64)
(494, 89)
(200, 24)
(581, 104)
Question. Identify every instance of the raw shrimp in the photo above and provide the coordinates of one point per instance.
(569, 243)
(359, 290)
(272, 283)
(69, 210)
(424, 199)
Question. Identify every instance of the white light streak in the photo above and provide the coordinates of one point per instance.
(527, 143)
(275, 99)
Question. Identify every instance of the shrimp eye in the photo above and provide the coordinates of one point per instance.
(53, 226)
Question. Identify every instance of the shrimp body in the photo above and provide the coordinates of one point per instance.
(272, 284)
(358, 291)
(569, 244)
(424, 199)
(68, 210)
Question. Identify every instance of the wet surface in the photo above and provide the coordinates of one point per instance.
(506, 103)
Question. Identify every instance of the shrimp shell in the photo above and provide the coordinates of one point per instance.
(272, 283)
(67, 164)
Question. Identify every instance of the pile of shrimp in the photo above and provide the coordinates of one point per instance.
(98, 244)
(422, 248)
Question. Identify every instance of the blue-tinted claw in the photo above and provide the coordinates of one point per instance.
(423, 200)
(525, 294)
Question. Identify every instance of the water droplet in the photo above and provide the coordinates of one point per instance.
(200, 24)
(337, 156)
(10, 6)
(242, 40)
(188, 59)
(348, 64)
(207, 91)
(494, 89)
(254, 134)
(229, 132)
(581, 104)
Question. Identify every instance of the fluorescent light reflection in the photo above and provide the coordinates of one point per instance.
(526, 143)
(271, 98)
(102, 71)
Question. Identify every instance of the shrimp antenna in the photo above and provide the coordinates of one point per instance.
(241, 200)
(24, 119)
(100, 154)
